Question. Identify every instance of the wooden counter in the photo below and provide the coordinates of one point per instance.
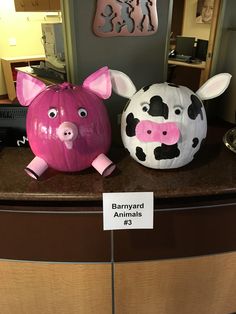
(65, 204)
(59, 219)
(211, 173)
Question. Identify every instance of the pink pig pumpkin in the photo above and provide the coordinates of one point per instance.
(67, 126)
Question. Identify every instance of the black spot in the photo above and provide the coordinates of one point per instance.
(195, 142)
(145, 88)
(140, 154)
(166, 152)
(158, 107)
(199, 150)
(195, 108)
(127, 104)
(131, 125)
(173, 85)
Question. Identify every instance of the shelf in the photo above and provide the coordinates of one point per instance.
(10, 63)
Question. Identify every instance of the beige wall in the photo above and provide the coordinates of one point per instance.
(25, 28)
(190, 27)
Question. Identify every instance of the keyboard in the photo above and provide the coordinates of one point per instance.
(182, 58)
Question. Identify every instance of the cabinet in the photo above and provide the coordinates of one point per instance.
(9, 71)
(48, 288)
(197, 285)
(55, 5)
(37, 5)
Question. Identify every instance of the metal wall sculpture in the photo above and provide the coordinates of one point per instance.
(125, 18)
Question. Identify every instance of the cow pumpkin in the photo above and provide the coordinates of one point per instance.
(163, 125)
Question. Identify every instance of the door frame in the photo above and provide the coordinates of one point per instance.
(211, 43)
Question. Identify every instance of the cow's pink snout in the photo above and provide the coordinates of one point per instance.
(165, 133)
(67, 133)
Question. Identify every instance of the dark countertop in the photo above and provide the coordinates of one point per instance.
(59, 218)
(212, 173)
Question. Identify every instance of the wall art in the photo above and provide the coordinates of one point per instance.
(125, 18)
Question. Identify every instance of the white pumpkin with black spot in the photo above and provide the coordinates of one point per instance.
(163, 125)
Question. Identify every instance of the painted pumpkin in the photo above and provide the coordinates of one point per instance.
(67, 126)
(163, 125)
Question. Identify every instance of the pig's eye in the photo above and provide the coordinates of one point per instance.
(52, 113)
(145, 107)
(82, 112)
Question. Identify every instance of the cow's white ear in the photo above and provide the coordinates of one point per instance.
(122, 84)
(215, 86)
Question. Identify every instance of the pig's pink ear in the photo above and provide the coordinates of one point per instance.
(27, 88)
(99, 83)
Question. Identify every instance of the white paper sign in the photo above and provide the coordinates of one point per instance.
(128, 210)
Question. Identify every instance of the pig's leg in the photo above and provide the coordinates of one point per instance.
(36, 167)
(103, 165)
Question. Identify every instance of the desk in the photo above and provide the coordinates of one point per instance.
(200, 66)
(46, 80)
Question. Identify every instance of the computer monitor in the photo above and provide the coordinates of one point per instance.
(185, 46)
(13, 125)
(201, 50)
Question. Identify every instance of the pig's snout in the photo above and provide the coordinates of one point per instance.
(67, 133)
(149, 131)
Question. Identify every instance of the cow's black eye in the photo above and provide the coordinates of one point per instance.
(82, 112)
(145, 107)
(52, 113)
(178, 110)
